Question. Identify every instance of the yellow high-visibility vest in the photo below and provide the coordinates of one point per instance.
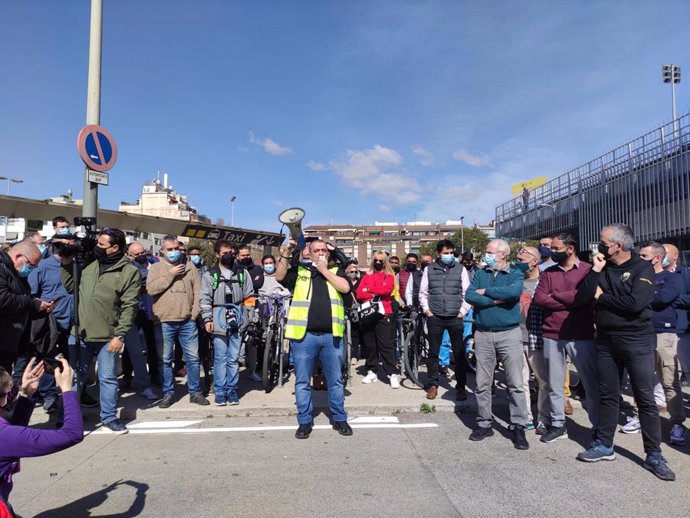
(298, 315)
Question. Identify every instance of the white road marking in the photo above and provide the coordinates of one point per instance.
(162, 424)
(230, 429)
(374, 419)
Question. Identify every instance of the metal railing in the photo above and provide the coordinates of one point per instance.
(644, 183)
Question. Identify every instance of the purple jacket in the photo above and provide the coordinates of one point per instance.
(17, 440)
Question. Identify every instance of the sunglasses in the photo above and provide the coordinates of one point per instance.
(525, 251)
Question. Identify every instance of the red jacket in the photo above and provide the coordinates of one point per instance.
(378, 284)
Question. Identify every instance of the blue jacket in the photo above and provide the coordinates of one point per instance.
(504, 285)
(682, 303)
(46, 284)
(669, 285)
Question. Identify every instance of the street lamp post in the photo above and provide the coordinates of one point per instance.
(671, 74)
(232, 215)
(462, 234)
(9, 182)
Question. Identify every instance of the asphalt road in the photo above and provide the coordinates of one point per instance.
(413, 464)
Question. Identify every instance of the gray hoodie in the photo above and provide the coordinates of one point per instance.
(220, 287)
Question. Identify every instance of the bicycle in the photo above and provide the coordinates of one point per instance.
(275, 311)
(415, 344)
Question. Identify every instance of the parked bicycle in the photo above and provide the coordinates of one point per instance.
(276, 347)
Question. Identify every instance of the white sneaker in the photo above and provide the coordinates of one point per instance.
(255, 377)
(632, 426)
(395, 382)
(371, 377)
(678, 435)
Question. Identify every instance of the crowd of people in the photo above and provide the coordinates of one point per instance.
(622, 317)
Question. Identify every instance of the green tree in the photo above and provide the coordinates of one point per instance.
(474, 239)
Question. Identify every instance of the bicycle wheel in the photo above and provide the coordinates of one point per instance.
(411, 358)
(271, 363)
(469, 354)
(347, 353)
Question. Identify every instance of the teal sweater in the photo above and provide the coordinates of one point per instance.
(503, 285)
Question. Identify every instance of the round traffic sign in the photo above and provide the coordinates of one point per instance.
(97, 148)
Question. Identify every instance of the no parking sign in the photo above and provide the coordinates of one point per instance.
(97, 148)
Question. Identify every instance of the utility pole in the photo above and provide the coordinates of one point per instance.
(671, 74)
(93, 100)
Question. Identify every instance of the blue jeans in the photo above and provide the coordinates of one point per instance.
(135, 343)
(188, 335)
(107, 376)
(226, 365)
(327, 348)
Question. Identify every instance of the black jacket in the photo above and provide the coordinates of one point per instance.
(16, 307)
(256, 273)
(625, 306)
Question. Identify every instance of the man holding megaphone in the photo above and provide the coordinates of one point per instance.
(316, 325)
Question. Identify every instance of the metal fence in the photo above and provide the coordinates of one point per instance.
(644, 183)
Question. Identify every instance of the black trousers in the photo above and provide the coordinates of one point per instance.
(636, 355)
(379, 343)
(436, 326)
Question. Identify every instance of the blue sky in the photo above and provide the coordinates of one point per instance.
(356, 111)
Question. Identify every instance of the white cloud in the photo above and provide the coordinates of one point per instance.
(269, 145)
(470, 158)
(384, 208)
(377, 172)
(425, 157)
(316, 166)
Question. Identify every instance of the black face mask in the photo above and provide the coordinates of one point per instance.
(247, 261)
(100, 253)
(411, 267)
(64, 250)
(424, 264)
(227, 260)
(378, 265)
(559, 257)
(603, 248)
(141, 259)
(396, 268)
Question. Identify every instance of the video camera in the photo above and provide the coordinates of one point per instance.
(85, 240)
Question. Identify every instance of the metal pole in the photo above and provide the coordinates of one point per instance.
(232, 224)
(673, 105)
(93, 99)
(462, 234)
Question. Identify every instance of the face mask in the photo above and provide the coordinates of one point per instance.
(396, 268)
(141, 259)
(559, 257)
(352, 275)
(490, 260)
(665, 263)
(410, 267)
(544, 251)
(269, 268)
(100, 253)
(305, 262)
(64, 231)
(424, 264)
(247, 261)
(523, 267)
(447, 259)
(42, 248)
(173, 256)
(602, 248)
(227, 260)
(196, 259)
(378, 265)
(25, 271)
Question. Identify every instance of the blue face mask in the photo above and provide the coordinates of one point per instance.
(447, 259)
(64, 231)
(196, 259)
(43, 248)
(173, 256)
(269, 268)
(490, 260)
(665, 263)
(25, 271)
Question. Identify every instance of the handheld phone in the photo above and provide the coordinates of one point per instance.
(52, 364)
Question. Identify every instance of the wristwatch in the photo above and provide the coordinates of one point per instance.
(121, 338)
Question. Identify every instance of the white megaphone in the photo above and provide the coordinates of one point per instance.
(292, 219)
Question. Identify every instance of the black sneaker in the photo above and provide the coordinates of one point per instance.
(87, 401)
(553, 433)
(519, 439)
(479, 434)
(303, 431)
(656, 463)
(168, 399)
(116, 426)
(199, 399)
(342, 427)
(541, 428)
